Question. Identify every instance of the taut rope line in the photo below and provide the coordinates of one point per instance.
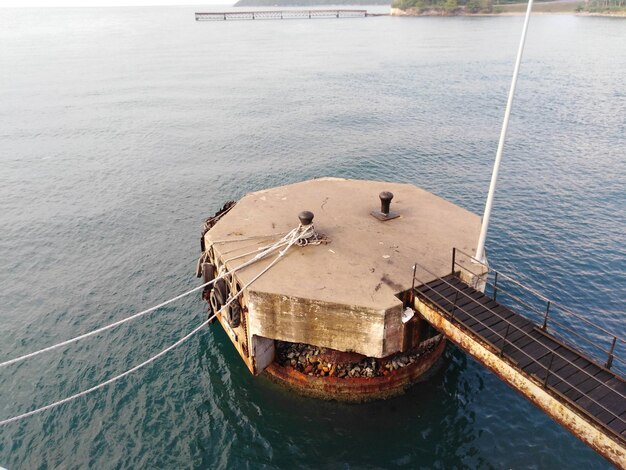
(295, 236)
(103, 384)
(297, 232)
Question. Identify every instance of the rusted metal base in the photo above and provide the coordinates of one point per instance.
(384, 217)
(355, 389)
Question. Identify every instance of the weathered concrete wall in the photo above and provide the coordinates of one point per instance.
(263, 351)
(529, 388)
(393, 332)
(337, 326)
(342, 295)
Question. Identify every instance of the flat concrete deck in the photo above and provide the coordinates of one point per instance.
(342, 295)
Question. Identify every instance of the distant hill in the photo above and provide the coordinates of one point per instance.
(307, 3)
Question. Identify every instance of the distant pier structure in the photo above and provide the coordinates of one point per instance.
(280, 14)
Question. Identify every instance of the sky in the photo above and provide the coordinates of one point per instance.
(106, 3)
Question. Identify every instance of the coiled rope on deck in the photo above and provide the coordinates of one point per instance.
(294, 237)
(296, 233)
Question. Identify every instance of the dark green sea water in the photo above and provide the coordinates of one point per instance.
(122, 129)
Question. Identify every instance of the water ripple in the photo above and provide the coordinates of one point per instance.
(132, 125)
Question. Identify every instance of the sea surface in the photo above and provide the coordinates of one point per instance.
(122, 129)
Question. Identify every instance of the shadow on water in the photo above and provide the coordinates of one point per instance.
(431, 425)
(444, 421)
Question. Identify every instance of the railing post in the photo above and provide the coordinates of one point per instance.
(545, 382)
(456, 296)
(412, 296)
(609, 361)
(545, 318)
(453, 258)
(495, 286)
(504, 340)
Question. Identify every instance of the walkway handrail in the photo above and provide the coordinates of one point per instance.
(500, 289)
(506, 342)
(341, 10)
(550, 304)
(281, 14)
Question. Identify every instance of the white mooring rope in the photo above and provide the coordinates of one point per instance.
(297, 232)
(104, 328)
(295, 235)
(103, 384)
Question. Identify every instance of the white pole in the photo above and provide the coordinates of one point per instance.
(480, 249)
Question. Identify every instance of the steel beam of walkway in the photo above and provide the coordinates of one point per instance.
(577, 391)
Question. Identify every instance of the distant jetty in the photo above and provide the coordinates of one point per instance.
(282, 14)
(308, 3)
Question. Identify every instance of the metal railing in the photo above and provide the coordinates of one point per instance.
(553, 317)
(279, 14)
(453, 308)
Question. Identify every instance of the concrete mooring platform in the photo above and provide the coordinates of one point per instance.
(346, 295)
(360, 311)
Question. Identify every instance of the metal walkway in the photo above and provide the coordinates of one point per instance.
(567, 373)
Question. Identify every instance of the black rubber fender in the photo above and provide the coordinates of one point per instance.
(215, 306)
(220, 289)
(234, 314)
(208, 274)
